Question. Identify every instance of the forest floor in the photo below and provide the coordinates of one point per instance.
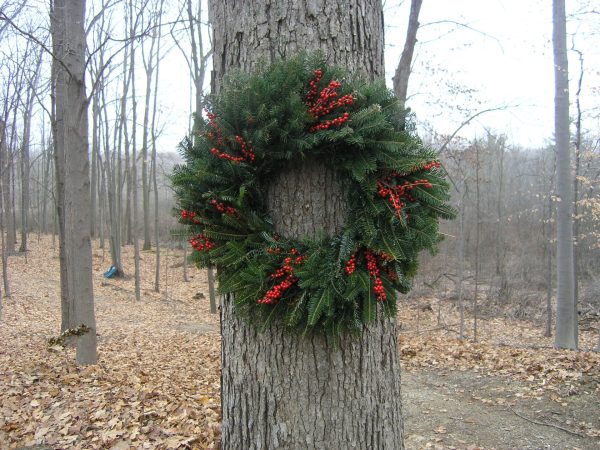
(156, 384)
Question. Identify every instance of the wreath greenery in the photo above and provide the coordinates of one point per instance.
(394, 187)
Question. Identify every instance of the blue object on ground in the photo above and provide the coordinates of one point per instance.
(110, 272)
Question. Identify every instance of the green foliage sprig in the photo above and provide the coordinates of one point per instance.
(394, 187)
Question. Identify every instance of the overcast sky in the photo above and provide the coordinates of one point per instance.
(472, 55)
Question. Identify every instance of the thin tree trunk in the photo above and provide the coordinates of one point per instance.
(4, 255)
(185, 257)
(112, 182)
(6, 174)
(46, 185)
(102, 202)
(25, 164)
(477, 240)
(403, 70)
(548, 251)
(576, 218)
(565, 301)
(13, 190)
(134, 178)
(149, 69)
(154, 161)
(503, 291)
(58, 141)
(120, 177)
(211, 289)
(461, 264)
(94, 174)
(128, 65)
(281, 390)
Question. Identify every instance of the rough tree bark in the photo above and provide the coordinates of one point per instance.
(281, 390)
(565, 300)
(68, 39)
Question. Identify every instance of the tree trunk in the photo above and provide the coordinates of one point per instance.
(565, 301)
(281, 390)
(548, 252)
(576, 218)
(149, 69)
(71, 112)
(112, 190)
(477, 240)
(46, 185)
(25, 195)
(404, 66)
(58, 144)
(154, 160)
(119, 181)
(134, 177)
(4, 256)
(503, 288)
(6, 171)
(212, 298)
(461, 262)
(94, 174)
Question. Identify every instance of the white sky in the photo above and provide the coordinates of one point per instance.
(505, 60)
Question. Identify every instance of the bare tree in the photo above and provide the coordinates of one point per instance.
(133, 21)
(154, 139)
(32, 86)
(72, 160)
(565, 317)
(404, 66)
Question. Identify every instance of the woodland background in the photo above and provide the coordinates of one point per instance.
(492, 283)
(498, 253)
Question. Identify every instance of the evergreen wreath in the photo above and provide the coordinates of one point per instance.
(395, 189)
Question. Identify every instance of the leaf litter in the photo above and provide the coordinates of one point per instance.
(157, 381)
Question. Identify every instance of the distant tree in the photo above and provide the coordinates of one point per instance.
(565, 308)
(403, 69)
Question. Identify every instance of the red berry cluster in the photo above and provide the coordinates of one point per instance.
(395, 191)
(189, 216)
(223, 155)
(222, 208)
(430, 165)
(326, 102)
(338, 121)
(386, 256)
(351, 264)
(287, 273)
(246, 150)
(201, 243)
(375, 272)
(312, 92)
(217, 137)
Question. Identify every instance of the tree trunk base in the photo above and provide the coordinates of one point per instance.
(281, 390)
